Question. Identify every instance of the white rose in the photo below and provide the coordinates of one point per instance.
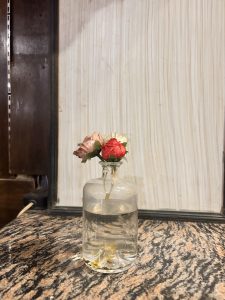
(121, 138)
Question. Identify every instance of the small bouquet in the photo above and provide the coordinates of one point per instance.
(109, 149)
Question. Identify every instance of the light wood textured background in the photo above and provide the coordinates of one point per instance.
(154, 69)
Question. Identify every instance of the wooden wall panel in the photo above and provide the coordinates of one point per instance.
(3, 90)
(156, 71)
(30, 109)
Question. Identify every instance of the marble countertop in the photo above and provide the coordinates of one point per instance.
(177, 260)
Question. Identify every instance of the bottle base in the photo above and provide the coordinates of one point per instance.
(109, 270)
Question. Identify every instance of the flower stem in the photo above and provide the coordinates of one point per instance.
(113, 173)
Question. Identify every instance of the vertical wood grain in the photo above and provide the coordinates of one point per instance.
(3, 91)
(31, 97)
(156, 71)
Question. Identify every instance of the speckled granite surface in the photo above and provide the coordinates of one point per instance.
(177, 260)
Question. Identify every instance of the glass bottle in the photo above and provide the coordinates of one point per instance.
(110, 221)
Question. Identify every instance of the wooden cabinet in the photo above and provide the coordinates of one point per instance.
(25, 121)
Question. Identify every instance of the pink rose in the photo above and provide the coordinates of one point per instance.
(97, 137)
(89, 147)
(113, 149)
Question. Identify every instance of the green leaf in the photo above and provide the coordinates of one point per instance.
(113, 159)
(97, 146)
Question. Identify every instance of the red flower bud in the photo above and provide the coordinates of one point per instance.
(113, 149)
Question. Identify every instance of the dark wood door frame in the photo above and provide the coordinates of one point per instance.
(4, 153)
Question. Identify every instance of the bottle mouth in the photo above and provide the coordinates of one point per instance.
(110, 164)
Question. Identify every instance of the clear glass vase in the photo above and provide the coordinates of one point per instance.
(110, 221)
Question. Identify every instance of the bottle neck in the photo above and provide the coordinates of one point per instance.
(109, 176)
(110, 169)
